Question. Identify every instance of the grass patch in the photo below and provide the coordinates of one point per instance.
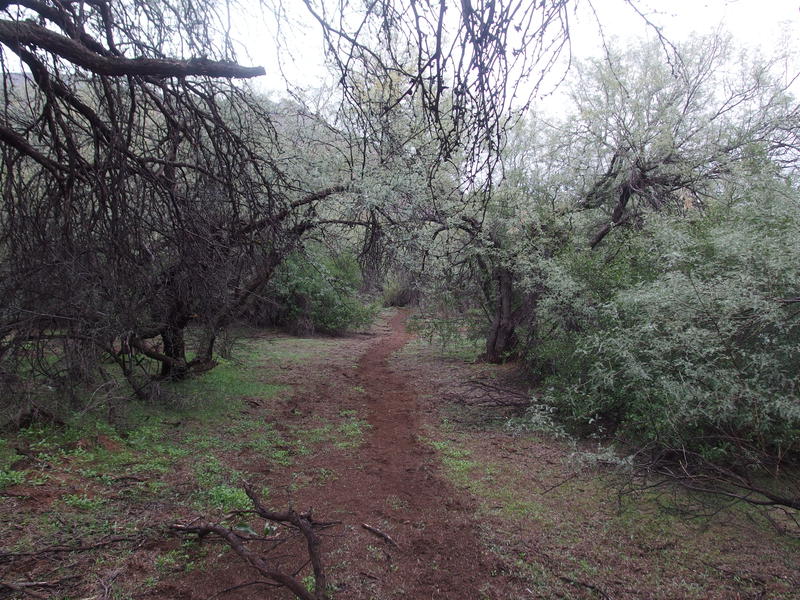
(452, 338)
(8, 474)
(345, 435)
(83, 502)
(456, 461)
(223, 388)
(183, 456)
(185, 559)
(227, 499)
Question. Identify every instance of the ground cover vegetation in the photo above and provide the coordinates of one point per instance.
(635, 256)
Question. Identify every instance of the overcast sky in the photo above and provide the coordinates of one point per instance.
(770, 25)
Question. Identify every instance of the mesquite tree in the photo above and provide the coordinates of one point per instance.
(651, 132)
(437, 85)
(142, 191)
(468, 68)
(661, 130)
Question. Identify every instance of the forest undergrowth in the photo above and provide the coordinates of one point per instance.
(88, 507)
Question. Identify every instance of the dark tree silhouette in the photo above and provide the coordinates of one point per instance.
(140, 193)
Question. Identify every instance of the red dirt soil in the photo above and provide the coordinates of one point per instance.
(535, 527)
(391, 482)
(439, 553)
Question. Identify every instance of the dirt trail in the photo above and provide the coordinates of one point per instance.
(400, 491)
(524, 525)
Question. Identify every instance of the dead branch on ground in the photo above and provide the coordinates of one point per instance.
(6, 557)
(579, 583)
(759, 479)
(24, 587)
(477, 392)
(300, 523)
(384, 536)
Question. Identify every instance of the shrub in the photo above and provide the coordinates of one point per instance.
(701, 349)
(314, 292)
(399, 290)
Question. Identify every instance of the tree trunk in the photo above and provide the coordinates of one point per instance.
(174, 348)
(205, 353)
(501, 341)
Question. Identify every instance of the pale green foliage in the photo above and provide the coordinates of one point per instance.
(316, 292)
(672, 332)
(674, 127)
(701, 352)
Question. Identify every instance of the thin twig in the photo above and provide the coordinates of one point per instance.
(384, 536)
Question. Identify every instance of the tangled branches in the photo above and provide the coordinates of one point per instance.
(301, 523)
(468, 68)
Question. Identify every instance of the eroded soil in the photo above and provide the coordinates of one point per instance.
(391, 482)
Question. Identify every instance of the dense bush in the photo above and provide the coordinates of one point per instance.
(314, 292)
(698, 346)
(399, 290)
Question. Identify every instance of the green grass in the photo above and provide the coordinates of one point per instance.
(226, 498)
(456, 349)
(83, 502)
(180, 455)
(346, 435)
(11, 477)
(585, 526)
(178, 560)
(456, 461)
(8, 475)
(295, 350)
(223, 388)
(155, 440)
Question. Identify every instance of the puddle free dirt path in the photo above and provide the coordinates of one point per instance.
(392, 481)
(397, 488)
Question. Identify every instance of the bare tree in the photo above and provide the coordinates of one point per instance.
(141, 192)
(466, 71)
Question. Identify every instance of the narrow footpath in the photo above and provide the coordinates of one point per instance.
(395, 486)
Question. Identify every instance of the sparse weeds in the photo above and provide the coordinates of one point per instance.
(396, 503)
(156, 457)
(217, 391)
(456, 461)
(10, 477)
(311, 585)
(83, 502)
(345, 435)
(183, 559)
(325, 476)
(209, 471)
(352, 431)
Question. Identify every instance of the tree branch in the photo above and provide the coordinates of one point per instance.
(14, 33)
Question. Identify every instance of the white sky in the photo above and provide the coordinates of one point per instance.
(768, 25)
(753, 22)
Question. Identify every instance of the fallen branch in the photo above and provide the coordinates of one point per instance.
(24, 586)
(301, 522)
(384, 536)
(236, 588)
(563, 481)
(11, 556)
(21, 587)
(590, 586)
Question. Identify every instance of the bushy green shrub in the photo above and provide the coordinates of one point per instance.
(399, 290)
(314, 292)
(696, 343)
